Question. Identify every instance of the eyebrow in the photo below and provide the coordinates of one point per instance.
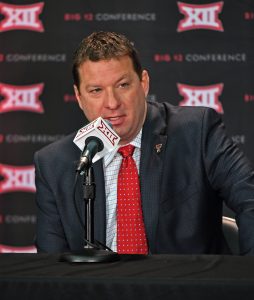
(125, 76)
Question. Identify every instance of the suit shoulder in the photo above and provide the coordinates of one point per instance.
(189, 110)
(182, 114)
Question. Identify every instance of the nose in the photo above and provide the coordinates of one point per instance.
(112, 100)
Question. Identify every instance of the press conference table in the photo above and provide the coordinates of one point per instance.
(42, 276)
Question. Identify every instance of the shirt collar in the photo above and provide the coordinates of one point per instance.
(135, 142)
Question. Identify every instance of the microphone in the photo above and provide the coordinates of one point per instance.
(92, 146)
(95, 140)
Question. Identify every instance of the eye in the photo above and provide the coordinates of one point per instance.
(95, 90)
(124, 85)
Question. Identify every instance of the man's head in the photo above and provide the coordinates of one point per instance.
(104, 46)
(109, 82)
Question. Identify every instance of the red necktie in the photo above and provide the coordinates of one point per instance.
(131, 237)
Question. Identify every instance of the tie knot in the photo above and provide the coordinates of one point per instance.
(126, 151)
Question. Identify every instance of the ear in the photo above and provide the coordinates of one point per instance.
(77, 95)
(145, 82)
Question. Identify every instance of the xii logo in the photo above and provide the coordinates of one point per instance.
(21, 98)
(24, 17)
(201, 96)
(17, 179)
(107, 133)
(200, 16)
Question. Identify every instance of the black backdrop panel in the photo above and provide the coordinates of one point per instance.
(196, 52)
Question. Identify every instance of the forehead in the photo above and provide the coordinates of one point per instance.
(106, 70)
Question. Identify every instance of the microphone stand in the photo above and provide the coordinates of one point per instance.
(93, 251)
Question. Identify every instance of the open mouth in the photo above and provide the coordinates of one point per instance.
(116, 120)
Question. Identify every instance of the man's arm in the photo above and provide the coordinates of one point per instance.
(50, 235)
(231, 175)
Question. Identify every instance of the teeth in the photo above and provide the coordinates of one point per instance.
(114, 118)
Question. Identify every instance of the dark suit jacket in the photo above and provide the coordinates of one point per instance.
(182, 186)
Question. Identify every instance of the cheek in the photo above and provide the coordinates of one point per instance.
(92, 110)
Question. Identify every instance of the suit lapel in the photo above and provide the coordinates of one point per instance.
(151, 167)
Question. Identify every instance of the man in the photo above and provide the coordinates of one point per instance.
(187, 166)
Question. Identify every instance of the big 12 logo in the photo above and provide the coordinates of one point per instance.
(24, 98)
(201, 96)
(200, 16)
(21, 17)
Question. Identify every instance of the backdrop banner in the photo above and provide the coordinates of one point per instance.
(198, 53)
